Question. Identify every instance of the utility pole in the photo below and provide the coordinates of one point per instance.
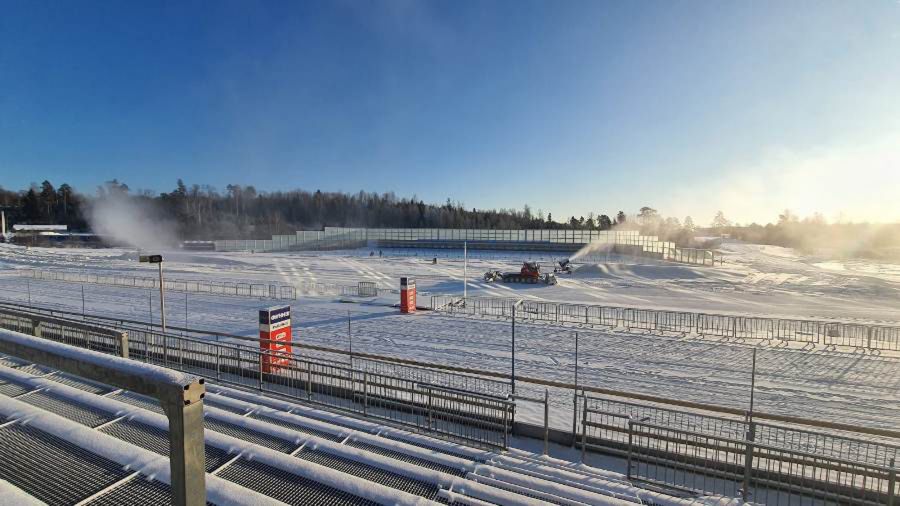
(752, 384)
(465, 271)
(157, 259)
(350, 338)
(513, 379)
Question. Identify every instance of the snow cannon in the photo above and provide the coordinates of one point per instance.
(564, 267)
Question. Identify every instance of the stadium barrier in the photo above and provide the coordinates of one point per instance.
(672, 443)
(780, 331)
(455, 406)
(180, 395)
(275, 291)
(738, 457)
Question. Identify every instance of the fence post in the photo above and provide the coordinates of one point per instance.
(365, 393)
(308, 380)
(583, 427)
(630, 444)
(123, 344)
(892, 483)
(36, 328)
(429, 409)
(218, 367)
(261, 359)
(748, 460)
(546, 421)
(575, 398)
(506, 425)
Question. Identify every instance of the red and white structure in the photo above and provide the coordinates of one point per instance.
(407, 295)
(275, 337)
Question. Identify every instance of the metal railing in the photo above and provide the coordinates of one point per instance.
(702, 448)
(468, 408)
(87, 336)
(779, 331)
(180, 395)
(277, 291)
(759, 462)
(457, 414)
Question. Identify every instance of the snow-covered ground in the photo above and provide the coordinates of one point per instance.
(761, 280)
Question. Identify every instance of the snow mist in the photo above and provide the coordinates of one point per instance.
(124, 220)
(593, 247)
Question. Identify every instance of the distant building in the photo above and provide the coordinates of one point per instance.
(40, 228)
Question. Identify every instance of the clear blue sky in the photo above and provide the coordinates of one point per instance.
(571, 107)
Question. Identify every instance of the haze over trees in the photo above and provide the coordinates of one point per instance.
(201, 212)
(241, 212)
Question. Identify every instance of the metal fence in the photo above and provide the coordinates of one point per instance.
(626, 241)
(737, 457)
(409, 399)
(454, 406)
(781, 331)
(91, 337)
(277, 291)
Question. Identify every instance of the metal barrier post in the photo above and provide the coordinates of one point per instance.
(365, 393)
(748, 460)
(546, 421)
(583, 427)
(429, 408)
(186, 441)
(218, 367)
(630, 444)
(892, 483)
(261, 360)
(575, 398)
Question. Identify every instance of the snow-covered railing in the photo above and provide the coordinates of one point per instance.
(739, 457)
(181, 396)
(89, 336)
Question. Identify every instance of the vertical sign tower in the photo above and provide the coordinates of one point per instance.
(275, 337)
(407, 295)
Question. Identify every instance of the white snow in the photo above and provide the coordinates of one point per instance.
(10, 494)
(756, 280)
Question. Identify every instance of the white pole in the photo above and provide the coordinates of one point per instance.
(465, 270)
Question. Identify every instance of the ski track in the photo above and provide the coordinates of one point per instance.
(832, 386)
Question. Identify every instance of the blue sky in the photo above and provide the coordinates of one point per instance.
(570, 107)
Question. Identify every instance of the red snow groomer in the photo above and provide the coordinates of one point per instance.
(530, 273)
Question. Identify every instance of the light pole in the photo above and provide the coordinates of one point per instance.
(514, 346)
(465, 270)
(157, 259)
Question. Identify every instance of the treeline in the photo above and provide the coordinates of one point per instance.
(241, 212)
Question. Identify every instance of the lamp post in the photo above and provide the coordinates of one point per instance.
(465, 271)
(157, 259)
(513, 345)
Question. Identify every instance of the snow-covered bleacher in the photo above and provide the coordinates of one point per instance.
(67, 440)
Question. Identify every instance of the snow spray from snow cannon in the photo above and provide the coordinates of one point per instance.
(407, 295)
(275, 337)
